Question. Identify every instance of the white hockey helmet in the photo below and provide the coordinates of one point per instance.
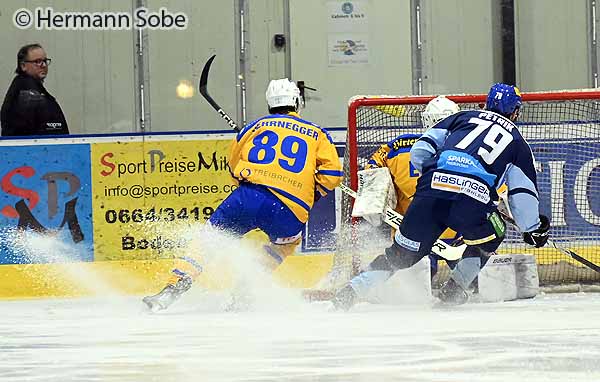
(283, 92)
(437, 109)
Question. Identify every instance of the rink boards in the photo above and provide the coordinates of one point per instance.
(123, 206)
(119, 208)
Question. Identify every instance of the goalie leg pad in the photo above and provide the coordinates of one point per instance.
(375, 193)
(509, 277)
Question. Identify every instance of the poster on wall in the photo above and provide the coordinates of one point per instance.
(348, 33)
(150, 196)
(120, 200)
(45, 204)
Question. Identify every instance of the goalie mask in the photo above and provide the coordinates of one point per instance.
(283, 92)
(437, 109)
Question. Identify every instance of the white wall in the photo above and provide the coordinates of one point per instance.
(93, 74)
(387, 72)
(181, 54)
(458, 46)
(552, 44)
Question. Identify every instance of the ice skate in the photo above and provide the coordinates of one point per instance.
(452, 294)
(239, 302)
(180, 283)
(241, 298)
(344, 299)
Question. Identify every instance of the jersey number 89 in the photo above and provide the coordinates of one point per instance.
(293, 150)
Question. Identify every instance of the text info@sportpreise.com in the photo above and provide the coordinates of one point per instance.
(148, 192)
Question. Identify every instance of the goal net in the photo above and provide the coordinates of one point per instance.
(563, 130)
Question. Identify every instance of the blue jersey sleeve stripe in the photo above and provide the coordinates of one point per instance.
(395, 153)
(194, 263)
(330, 172)
(292, 198)
(246, 129)
(430, 141)
(325, 188)
(522, 191)
(324, 131)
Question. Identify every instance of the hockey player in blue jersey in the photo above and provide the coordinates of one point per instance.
(463, 160)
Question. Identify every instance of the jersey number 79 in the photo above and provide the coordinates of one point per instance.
(497, 138)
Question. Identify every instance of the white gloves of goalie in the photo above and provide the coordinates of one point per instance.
(375, 193)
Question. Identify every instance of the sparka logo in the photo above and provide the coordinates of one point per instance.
(460, 185)
(461, 160)
(501, 260)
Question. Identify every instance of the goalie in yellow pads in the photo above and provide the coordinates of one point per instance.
(395, 155)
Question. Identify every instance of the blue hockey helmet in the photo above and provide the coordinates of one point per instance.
(503, 99)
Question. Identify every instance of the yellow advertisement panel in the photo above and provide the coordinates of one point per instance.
(148, 196)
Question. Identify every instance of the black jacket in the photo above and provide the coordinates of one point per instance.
(28, 109)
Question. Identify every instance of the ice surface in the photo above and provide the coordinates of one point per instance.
(549, 338)
(283, 338)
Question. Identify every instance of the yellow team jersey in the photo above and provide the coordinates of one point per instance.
(395, 155)
(290, 156)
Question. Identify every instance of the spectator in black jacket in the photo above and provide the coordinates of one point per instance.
(28, 108)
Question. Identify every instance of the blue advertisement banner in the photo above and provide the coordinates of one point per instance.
(569, 187)
(47, 189)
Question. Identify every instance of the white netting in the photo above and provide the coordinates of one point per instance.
(563, 129)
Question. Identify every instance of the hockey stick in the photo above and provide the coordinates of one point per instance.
(204, 92)
(394, 219)
(505, 215)
(575, 256)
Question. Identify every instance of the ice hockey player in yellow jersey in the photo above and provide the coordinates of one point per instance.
(395, 154)
(282, 164)
(291, 157)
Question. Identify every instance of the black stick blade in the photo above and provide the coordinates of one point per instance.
(204, 76)
(209, 99)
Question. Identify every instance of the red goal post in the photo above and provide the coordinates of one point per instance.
(563, 129)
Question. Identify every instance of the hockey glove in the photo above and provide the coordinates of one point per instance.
(538, 237)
